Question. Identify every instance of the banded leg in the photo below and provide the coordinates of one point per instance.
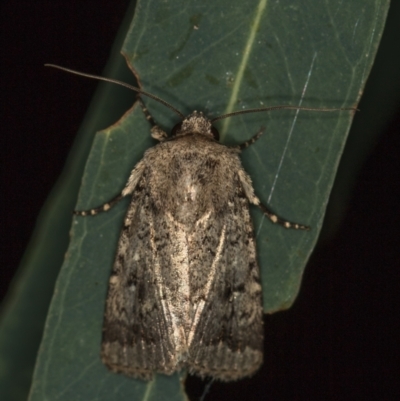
(278, 220)
(254, 200)
(156, 132)
(146, 113)
(130, 186)
(246, 144)
(103, 208)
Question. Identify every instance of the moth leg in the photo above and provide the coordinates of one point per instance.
(156, 132)
(129, 188)
(246, 144)
(253, 199)
(146, 112)
(103, 208)
(276, 219)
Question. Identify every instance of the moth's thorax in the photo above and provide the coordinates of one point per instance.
(195, 123)
(187, 174)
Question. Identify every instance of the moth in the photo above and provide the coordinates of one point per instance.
(184, 291)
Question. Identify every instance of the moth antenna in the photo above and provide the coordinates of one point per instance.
(281, 107)
(115, 81)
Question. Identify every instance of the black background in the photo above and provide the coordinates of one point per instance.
(340, 341)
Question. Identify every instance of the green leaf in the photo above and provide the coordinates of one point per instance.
(215, 57)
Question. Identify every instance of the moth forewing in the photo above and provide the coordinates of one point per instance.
(186, 265)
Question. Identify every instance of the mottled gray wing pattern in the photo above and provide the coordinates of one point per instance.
(136, 334)
(185, 293)
(226, 337)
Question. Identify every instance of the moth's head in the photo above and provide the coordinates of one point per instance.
(195, 123)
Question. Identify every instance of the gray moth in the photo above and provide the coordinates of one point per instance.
(184, 291)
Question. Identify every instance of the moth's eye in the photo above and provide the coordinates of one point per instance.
(176, 128)
(215, 133)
